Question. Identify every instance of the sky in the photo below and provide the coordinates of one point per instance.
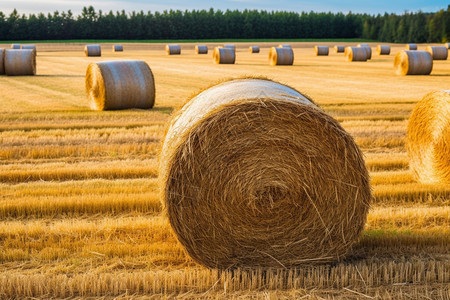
(361, 6)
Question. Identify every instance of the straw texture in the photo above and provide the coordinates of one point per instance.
(383, 49)
(2, 61)
(119, 85)
(411, 46)
(413, 63)
(438, 52)
(428, 141)
(224, 55)
(117, 48)
(20, 62)
(15, 46)
(321, 50)
(339, 49)
(253, 174)
(173, 49)
(281, 56)
(355, 54)
(92, 50)
(201, 49)
(230, 46)
(253, 49)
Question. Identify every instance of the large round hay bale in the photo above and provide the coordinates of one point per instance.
(173, 49)
(2, 61)
(383, 49)
(411, 46)
(281, 56)
(15, 46)
(224, 55)
(120, 84)
(254, 174)
(20, 62)
(230, 46)
(438, 52)
(253, 49)
(339, 49)
(117, 48)
(321, 50)
(92, 50)
(428, 141)
(356, 54)
(413, 63)
(201, 49)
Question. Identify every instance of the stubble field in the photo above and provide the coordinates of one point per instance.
(80, 213)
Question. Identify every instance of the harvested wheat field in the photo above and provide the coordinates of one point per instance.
(80, 204)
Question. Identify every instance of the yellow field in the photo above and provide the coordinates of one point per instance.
(79, 207)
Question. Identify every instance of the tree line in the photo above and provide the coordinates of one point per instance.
(230, 24)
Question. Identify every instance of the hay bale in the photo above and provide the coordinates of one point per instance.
(447, 45)
(253, 49)
(438, 52)
(368, 50)
(15, 46)
(92, 50)
(281, 56)
(254, 174)
(2, 61)
(411, 46)
(428, 139)
(230, 46)
(120, 84)
(356, 54)
(413, 63)
(173, 49)
(284, 46)
(383, 49)
(339, 49)
(201, 49)
(28, 47)
(321, 50)
(117, 48)
(20, 62)
(223, 55)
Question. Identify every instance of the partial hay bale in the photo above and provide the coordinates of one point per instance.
(447, 45)
(284, 46)
(339, 49)
(411, 46)
(28, 47)
(230, 46)
(117, 48)
(356, 54)
(428, 139)
(254, 174)
(15, 46)
(173, 49)
(413, 63)
(120, 84)
(368, 50)
(383, 49)
(223, 55)
(2, 61)
(321, 50)
(253, 49)
(438, 52)
(92, 50)
(281, 56)
(20, 62)
(201, 49)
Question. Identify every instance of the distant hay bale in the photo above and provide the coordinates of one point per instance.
(2, 61)
(254, 174)
(173, 49)
(284, 46)
(383, 49)
(368, 50)
(223, 55)
(92, 50)
(428, 139)
(339, 49)
(413, 63)
(230, 46)
(253, 49)
(119, 85)
(281, 56)
(355, 54)
(20, 62)
(447, 45)
(438, 52)
(411, 47)
(15, 46)
(117, 48)
(201, 49)
(321, 50)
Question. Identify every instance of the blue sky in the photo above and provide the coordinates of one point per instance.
(361, 6)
